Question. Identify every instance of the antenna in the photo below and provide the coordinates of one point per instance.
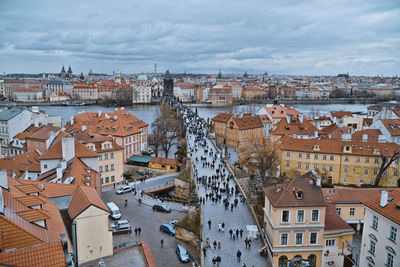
(155, 65)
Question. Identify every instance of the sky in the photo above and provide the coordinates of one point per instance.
(296, 37)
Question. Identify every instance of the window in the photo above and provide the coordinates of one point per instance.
(316, 167)
(300, 155)
(352, 211)
(344, 180)
(338, 211)
(299, 165)
(316, 156)
(346, 169)
(101, 181)
(112, 167)
(287, 164)
(374, 223)
(300, 216)
(331, 168)
(346, 158)
(100, 168)
(105, 156)
(324, 157)
(323, 168)
(101, 157)
(107, 179)
(330, 242)
(112, 155)
(106, 168)
(299, 239)
(287, 153)
(307, 166)
(332, 157)
(393, 182)
(376, 160)
(284, 239)
(365, 171)
(313, 238)
(315, 216)
(393, 233)
(371, 181)
(372, 245)
(385, 172)
(308, 156)
(395, 172)
(375, 172)
(283, 261)
(113, 178)
(361, 180)
(285, 216)
(357, 159)
(367, 160)
(389, 259)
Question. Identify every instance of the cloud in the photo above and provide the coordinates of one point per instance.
(294, 37)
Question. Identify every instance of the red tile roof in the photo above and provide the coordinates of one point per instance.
(28, 161)
(248, 121)
(334, 222)
(391, 210)
(166, 161)
(392, 125)
(55, 151)
(372, 135)
(222, 117)
(82, 198)
(341, 114)
(277, 111)
(43, 132)
(294, 127)
(352, 195)
(283, 195)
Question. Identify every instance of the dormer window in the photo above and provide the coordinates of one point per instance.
(299, 194)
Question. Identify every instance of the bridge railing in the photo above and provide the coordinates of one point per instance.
(158, 187)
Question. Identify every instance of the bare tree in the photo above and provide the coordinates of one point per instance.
(261, 155)
(387, 160)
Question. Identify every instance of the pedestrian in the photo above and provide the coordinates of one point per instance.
(162, 243)
(208, 242)
(209, 224)
(215, 245)
(237, 233)
(249, 243)
(219, 244)
(139, 230)
(126, 203)
(231, 206)
(219, 227)
(140, 201)
(230, 232)
(114, 185)
(214, 261)
(135, 230)
(238, 255)
(205, 251)
(218, 260)
(241, 232)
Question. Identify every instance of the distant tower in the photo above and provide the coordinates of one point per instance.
(91, 75)
(155, 66)
(219, 74)
(81, 77)
(69, 74)
(168, 85)
(245, 75)
(118, 77)
(63, 72)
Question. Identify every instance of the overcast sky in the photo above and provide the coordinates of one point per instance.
(361, 37)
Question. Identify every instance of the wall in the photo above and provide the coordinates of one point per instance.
(186, 236)
(94, 240)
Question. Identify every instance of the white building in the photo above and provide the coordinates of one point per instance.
(380, 245)
(27, 95)
(141, 90)
(58, 86)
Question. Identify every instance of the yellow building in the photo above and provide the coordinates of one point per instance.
(251, 92)
(169, 165)
(239, 132)
(340, 162)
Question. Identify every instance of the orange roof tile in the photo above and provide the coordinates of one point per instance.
(277, 111)
(341, 114)
(334, 222)
(30, 200)
(33, 215)
(26, 132)
(82, 198)
(294, 127)
(351, 195)
(392, 125)
(222, 117)
(55, 151)
(247, 121)
(23, 162)
(372, 135)
(391, 210)
(43, 133)
(166, 161)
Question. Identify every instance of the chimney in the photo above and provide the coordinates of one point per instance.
(315, 134)
(59, 171)
(68, 148)
(301, 117)
(3, 179)
(72, 120)
(83, 128)
(115, 118)
(99, 113)
(384, 198)
(288, 118)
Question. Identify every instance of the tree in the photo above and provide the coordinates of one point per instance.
(386, 161)
(262, 155)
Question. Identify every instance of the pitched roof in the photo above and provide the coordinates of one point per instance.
(166, 161)
(392, 125)
(118, 123)
(341, 114)
(351, 195)
(277, 111)
(331, 146)
(248, 121)
(49, 254)
(334, 222)
(294, 127)
(222, 117)
(28, 161)
(55, 151)
(26, 132)
(372, 135)
(43, 132)
(82, 198)
(283, 195)
(264, 118)
(9, 113)
(391, 210)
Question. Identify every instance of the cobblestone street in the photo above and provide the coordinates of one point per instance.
(238, 218)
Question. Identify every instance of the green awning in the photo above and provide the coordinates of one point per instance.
(140, 158)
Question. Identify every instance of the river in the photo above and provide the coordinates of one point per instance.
(148, 112)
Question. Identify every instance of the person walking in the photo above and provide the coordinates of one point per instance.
(218, 260)
(140, 201)
(126, 203)
(214, 261)
(139, 230)
(219, 244)
(223, 226)
(241, 232)
(162, 243)
(249, 243)
(205, 251)
(219, 227)
(246, 241)
(215, 245)
(230, 232)
(237, 233)
(135, 230)
(209, 224)
(238, 255)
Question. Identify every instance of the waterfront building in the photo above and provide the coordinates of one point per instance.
(252, 92)
(219, 125)
(127, 130)
(10, 85)
(57, 86)
(380, 244)
(345, 118)
(340, 162)
(220, 96)
(27, 95)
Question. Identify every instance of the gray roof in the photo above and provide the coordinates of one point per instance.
(58, 82)
(9, 113)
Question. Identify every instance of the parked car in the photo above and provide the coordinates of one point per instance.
(115, 212)
(173, 222)
(161, 207)
(124, 189)
(167, 228)
(121, 227)
(182, 253)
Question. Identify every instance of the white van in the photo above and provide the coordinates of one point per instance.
(115, 212)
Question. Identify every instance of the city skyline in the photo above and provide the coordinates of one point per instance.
(302, 38)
